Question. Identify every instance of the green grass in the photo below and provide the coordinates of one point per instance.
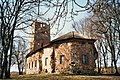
(62, 77)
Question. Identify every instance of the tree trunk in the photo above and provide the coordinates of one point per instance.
(104, 49)
(114, 59)
(99, 65)
(112, 66)
(6, 46)
(11, 51)
(116, 69)
(115, 65)
(1, 60)
(2, 71)
(105, 64)
(4, 67)
(20, 72)
(9, 64)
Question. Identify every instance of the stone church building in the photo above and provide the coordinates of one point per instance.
(69, 53)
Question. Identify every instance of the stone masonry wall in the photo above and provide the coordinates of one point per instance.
(63, 57)
(46, 60)
(73, 52)
(78, 49)
(62, 49)
(33, 65)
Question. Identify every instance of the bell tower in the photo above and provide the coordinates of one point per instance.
(40, 35)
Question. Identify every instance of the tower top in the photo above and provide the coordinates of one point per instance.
(39, 24)
(40, 36)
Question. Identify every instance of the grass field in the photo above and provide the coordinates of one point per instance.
(62, 77)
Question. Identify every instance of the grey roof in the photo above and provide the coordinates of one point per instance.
(73, 35)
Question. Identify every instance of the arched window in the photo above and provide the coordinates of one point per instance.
(32, 64)
(29, 65)
(46, 61)
(62, 57)
(35, 63)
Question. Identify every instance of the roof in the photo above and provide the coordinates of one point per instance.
(73, 35)
(70, 35)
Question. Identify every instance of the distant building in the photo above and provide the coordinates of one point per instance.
(67, 54)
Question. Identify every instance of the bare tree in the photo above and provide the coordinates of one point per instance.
(12, 15)
(107, 13)
(19, 53)
(105, 23)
